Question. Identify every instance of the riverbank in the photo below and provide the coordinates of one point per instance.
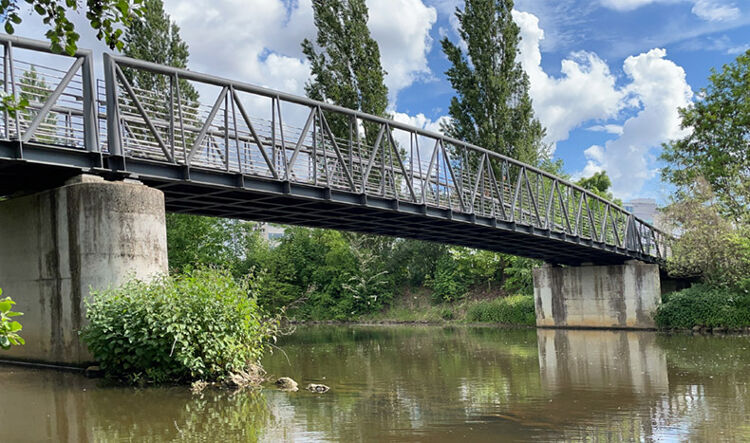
(698, 310)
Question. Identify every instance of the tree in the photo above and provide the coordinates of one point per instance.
(599, 184)
(492, 108)
(34, 88)
(718, 146)
(104, 16)
(709, 245)
(156, 38)
(346, 68)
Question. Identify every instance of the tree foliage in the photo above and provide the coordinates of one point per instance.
(104, 16)
(345, 62)
(9, 328)
(718, 146)
(599, 184)
(709, 245)
(492, 107)
(199, 325)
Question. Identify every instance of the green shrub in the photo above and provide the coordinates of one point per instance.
(446, 314)
(448, 285)
(704, 305)
(9, 328)
(203, 324)
(516, 309)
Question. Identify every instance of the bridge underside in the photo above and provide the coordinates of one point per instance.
(216, 193)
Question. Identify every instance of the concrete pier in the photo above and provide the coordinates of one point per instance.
(58, 244)
(613, 296)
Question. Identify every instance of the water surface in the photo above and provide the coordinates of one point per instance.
(412, 383)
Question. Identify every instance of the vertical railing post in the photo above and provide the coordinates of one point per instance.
(114, 136)
(90, 108)
(6, 64)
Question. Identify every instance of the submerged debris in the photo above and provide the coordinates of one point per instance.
(253, 376)
(286, 384)
(318, 388)
(198, 386)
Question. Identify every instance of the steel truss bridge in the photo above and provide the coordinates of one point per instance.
(258, 154)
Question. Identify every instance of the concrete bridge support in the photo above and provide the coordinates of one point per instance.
(613, 296)
(58, 244)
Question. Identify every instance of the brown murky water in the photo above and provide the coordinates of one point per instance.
(420, 384)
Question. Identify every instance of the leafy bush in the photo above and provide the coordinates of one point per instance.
(705, 305)
(9, 328)
(447, 314)
(447, 284)
(203, 324)
(516, 310)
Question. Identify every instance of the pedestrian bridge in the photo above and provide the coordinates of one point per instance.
(248, 152)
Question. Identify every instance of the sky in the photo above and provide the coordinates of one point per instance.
(607, 77)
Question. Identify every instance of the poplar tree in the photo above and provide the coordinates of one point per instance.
(492, 107)
(345, 62)
(156, 38)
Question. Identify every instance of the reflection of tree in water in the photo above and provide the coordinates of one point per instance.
(174, 414)
(387, 380)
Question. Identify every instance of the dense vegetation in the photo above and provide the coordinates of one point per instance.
(330, 275)
(515, 310)
(202, 324)
(710, 169)
(705, 305)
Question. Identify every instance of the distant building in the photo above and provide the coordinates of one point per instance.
(643, 208)
(271, 233)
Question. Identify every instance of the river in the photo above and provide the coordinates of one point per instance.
(419, 383)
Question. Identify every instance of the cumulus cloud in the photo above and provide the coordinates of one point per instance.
(402, 30)
(420, 121)
(259, 40)
(711, 10)
(585, 91)
(609, 129)
(657, 88)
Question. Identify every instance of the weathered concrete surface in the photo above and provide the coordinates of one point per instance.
(614, 296)
(57, 244)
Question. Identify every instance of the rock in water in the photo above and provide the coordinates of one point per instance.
(320, 389)
(286, 384)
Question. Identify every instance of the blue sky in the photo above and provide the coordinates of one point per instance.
(607, 76)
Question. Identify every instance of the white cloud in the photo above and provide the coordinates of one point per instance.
(420, 121)
(710, 10)
(609, 129)
(658, 88)
(588, 92)
(585, 91)
(402, 30)
(259, 40)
